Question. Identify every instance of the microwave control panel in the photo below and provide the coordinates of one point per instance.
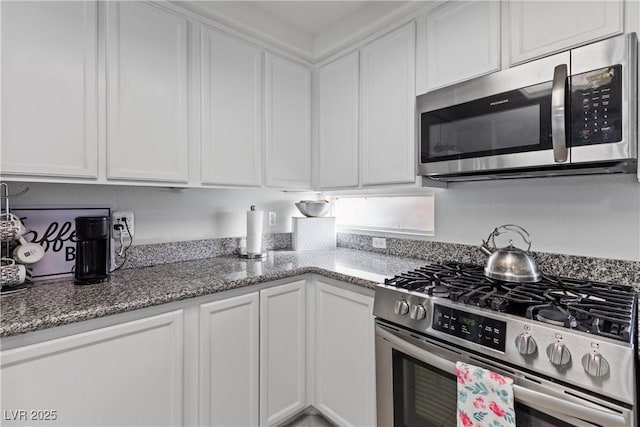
(596, 106)
(470, 327)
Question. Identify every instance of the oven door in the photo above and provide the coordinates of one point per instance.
(416, 386)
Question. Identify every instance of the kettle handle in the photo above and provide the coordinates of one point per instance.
(510, 227)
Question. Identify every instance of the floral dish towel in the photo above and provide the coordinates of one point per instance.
(485, 399)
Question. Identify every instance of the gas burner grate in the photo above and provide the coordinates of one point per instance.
(599, 308)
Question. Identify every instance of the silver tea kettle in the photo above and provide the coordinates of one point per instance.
(510, 264)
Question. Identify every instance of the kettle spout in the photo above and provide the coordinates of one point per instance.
(484, 248)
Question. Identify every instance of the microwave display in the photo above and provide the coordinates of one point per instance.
(596, 106)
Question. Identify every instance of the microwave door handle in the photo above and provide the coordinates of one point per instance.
(558, 114)
(553, 406)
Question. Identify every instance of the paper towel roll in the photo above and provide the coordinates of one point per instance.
(254, 231)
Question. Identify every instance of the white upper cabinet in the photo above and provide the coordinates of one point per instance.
(459, 41)
(337, 150)
(231, 110)
(287, 127)
(147, 93)
(49, 88)
(388, 108)
(541, 29)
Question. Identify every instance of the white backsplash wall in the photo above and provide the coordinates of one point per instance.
(582, 215)
(166, 215)
(595, 216)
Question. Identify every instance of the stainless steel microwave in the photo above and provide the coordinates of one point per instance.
(571, 113)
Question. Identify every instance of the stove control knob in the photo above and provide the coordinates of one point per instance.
(401, 307)
(418, 312)
(595, 365)
(558, 354)
(525, 344)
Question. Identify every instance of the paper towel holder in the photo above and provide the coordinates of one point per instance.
(243, 248)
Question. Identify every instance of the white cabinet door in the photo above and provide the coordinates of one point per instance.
(229, 351)
(337, 149)
(49, 88)
(287, 127)
(147, 87)
(282, 352)
(127, 374)
(388, 108)
(454, 55)
(345, 365)
(231, 110)
(541, 29)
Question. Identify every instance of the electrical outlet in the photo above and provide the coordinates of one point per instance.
(124, 219)
(272, 219)
(379, 242)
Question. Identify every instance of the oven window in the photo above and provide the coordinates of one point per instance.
(427, 397)
(422, 395)
(526, 416)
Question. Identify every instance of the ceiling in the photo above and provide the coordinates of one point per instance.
(310, 29)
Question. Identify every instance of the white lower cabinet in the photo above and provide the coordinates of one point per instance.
(344, 356)
(282, 352)
(252, 357)
(229, 357)
(128, 374)
(258, 358)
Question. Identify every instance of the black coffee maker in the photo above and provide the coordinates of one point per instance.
(92, 250)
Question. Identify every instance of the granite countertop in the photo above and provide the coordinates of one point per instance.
(49, 304)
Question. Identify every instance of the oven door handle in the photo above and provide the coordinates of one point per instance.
(548, 404)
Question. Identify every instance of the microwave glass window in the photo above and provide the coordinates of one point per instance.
(426, 396)
(488, 132)
(510, 122)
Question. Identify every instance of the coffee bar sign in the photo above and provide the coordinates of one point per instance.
(54, 229)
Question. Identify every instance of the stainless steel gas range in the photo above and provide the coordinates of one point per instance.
(569, 346)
